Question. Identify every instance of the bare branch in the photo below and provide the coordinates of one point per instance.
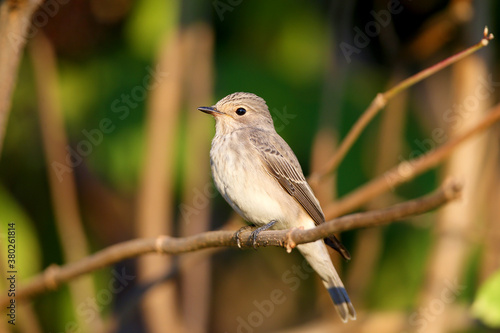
(406, 170)
(54, 275)
(381, 100)
(14, 24)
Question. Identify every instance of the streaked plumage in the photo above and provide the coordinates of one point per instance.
(259, 176)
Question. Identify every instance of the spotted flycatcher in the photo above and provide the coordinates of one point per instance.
(259, 176)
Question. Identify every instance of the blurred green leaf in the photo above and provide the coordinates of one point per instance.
(27, 249)
(120, 158)
(300, 49)
(149, 21)
(399, 275)
(486, 307)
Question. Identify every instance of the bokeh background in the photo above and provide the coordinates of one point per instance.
(104, 144)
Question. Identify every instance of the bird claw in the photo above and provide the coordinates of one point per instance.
(256, 232)
(237, 234)
(253, 237)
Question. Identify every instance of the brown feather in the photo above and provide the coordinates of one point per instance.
(287, 171)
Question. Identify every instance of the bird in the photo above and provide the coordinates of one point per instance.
(260, 177)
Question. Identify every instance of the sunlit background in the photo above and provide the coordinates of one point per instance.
(104, 144)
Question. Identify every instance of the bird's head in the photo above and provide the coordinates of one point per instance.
(240, 110)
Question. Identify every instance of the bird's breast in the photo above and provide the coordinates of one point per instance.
(243, 181)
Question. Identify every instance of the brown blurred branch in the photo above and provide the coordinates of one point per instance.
(62, 189)
(380, 101)
(156, 189)
(439, 29)
(407, 170)
(458, 227)
(15, 19)
(54, 275)
(196, 280)
(369, 243)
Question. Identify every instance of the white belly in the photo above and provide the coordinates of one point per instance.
(243, 181)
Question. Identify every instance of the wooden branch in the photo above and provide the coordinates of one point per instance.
(406, 170)
(196, 280)
(15, 19)
(156, 189)
(381, 100)
(70, 230)
(54, 275)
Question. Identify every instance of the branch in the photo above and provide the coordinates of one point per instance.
(70, 230)
(15, 20)
(54, 275)
(381, 100)
(406, 170)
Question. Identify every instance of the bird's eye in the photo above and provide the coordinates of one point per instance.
(241, 111)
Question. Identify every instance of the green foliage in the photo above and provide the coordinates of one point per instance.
(486, 306)
(147, 25)
(398, 276)
(27, 249)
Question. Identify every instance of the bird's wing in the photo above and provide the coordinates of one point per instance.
(282, 164)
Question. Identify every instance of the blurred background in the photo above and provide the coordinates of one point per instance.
(104, 144)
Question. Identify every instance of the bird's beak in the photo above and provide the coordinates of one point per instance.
(210, 110)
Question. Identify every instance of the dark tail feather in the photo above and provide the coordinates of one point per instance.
(342, 303)
(317, 256)
(335, 244)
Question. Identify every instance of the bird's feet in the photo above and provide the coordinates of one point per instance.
(237, 234)
(257, 231)
(254, 234)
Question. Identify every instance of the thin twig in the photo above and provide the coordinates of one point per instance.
(406, 170)
(54, 275)
(458, 226)
(381, 100)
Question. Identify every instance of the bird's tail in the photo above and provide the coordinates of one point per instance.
(319, 259)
